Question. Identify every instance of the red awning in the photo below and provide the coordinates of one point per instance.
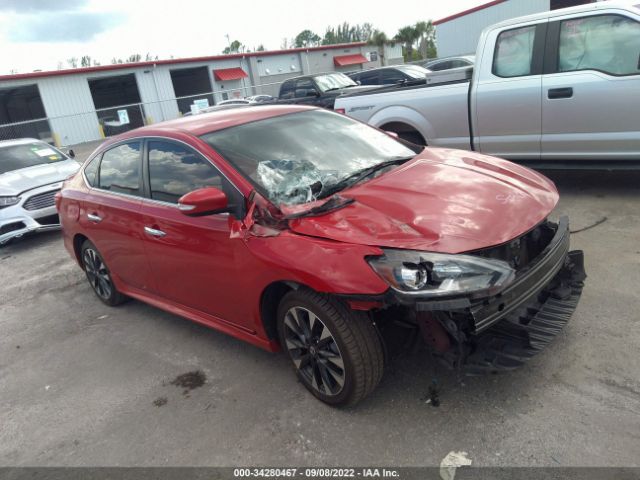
(225, 74)
(342, 60)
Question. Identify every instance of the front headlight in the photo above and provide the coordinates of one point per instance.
(8, 201)
(439, 274)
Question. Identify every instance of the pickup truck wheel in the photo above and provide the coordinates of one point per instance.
(99, 276)
(412, 137)
(335, 351)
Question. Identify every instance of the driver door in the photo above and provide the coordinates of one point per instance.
(306, 92)
(193, 259)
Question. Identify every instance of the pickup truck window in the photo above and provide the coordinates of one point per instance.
(608, 43)
(305, 88)
(286, 90)
(514, 52)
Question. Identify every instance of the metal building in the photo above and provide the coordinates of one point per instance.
(67, 107)
(458, 34)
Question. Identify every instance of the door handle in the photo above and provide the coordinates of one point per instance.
(154, 232)
(560, 92)
(92, 217)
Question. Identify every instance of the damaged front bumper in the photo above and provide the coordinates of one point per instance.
(501, 332)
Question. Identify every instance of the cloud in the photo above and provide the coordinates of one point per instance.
(31, 6)
(63, 26)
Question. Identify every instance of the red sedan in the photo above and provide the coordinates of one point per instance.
(302, 229)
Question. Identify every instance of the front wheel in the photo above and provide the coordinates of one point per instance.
(336, 352)
(99, 276)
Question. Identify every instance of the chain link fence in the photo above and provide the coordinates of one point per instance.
(96, 124)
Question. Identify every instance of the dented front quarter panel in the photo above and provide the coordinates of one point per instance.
(323, 265)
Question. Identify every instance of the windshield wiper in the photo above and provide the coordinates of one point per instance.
(360, 175)
(334, 203)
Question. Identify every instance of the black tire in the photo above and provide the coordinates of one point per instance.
(99, 276)
(354, 340)
(412, 137)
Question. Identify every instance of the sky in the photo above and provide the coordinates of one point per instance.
(39, 34)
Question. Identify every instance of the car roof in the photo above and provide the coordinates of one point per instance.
(623, 5)
(19, 141)
(213, 121)
(454, 57)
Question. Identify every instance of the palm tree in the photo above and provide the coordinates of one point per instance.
(379, 39)
(407, 35)
(426, 33)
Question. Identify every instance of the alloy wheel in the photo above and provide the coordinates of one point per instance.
(314, 351)
(97, 273)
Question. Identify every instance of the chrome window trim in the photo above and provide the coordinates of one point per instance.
(143, 198)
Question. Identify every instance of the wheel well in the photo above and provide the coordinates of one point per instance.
(78, 240)
(269, 303)
(405, 131)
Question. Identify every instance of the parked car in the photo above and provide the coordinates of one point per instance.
(320, 89)
(299, 228)
(449, 63)
(415, 74)
(261, 98)
(553, 86)
(31, 173)
(247, 100)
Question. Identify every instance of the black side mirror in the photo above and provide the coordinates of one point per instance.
(71, 154)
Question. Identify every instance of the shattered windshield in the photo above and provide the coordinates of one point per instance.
(297, 158)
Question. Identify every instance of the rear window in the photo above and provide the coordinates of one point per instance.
(15, 157)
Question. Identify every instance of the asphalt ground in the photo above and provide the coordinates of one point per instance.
(82, 384)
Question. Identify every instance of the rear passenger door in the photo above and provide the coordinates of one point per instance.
(591, 87)
(506, 100)
(110, 215)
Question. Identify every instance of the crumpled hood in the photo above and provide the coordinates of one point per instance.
(18, 181)
(443, 200)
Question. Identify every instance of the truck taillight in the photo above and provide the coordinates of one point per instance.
(340, 110)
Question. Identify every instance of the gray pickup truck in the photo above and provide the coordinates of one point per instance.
(558, 85)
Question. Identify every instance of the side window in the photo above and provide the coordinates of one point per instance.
(514, 52)
(286, 90)
(459, 63)
(305, 88)
(445, 65)
(91, 170)
(391, 77)
(370, 78)
(609, 43)
(120, 169)
(175, 170)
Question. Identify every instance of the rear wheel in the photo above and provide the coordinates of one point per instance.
(99, 276)
(336, 352)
